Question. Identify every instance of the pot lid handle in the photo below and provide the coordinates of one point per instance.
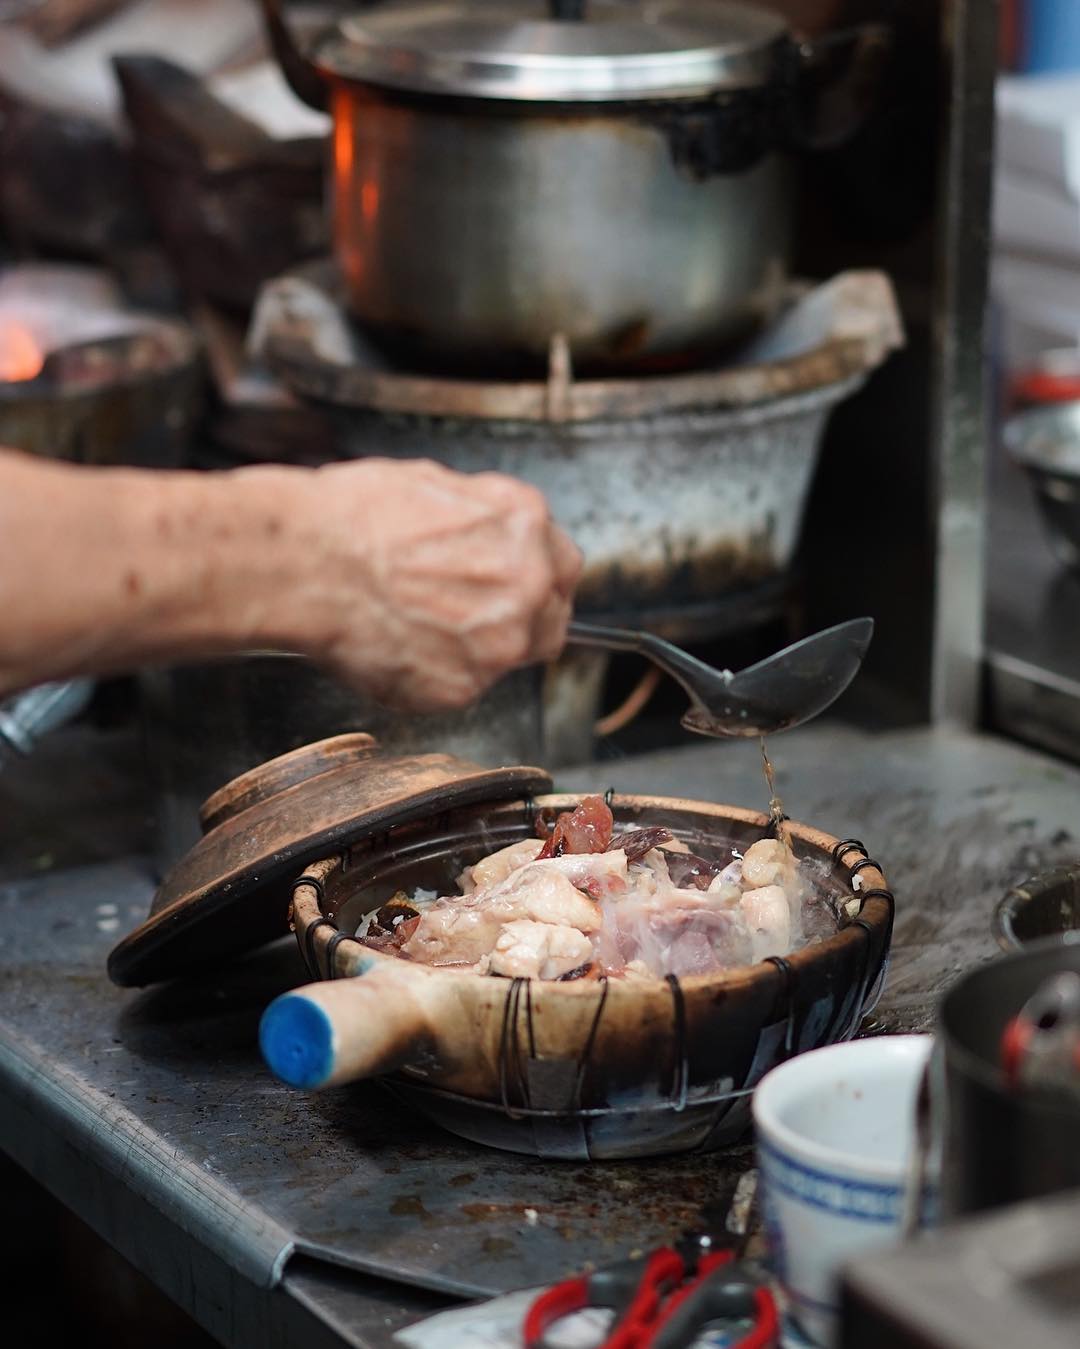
(277, 775)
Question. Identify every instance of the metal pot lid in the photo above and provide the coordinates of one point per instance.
(232, 891)
(521, 51)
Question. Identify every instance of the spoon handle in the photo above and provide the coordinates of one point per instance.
(608, 639)
(686, 669)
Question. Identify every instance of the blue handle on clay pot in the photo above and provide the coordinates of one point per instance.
(342, 1030)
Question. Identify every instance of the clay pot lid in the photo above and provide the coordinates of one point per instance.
(231, 892)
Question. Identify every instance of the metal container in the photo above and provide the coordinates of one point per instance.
(1045, 442)
(670, 510)
(1002, 1145)
(98, 382)
(679, 489)
(1047, 905)
(144, 416)
(505, 173)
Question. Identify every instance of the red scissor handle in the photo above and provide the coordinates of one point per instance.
(635, 1291)
(704, 1299)
(766, 1331)
(562, 1300)
(664, 1271)
(652, 1300)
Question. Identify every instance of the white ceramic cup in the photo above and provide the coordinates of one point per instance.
(835, 1128)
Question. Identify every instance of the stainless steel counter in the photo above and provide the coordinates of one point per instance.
(274, 1217)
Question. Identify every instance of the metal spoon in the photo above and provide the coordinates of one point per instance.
(779, 692)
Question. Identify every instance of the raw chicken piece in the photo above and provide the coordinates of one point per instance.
(768, 918)
(650, 877)
(550, 895)
(671, 932)
(530, 950)
(454, 932)
(599, 874)
(497, 866)
(692, 952)
(698, 939)
(723, 892)
(581, 868)
(637, 904)
(769, 862)
(460, 930)
(730, 875)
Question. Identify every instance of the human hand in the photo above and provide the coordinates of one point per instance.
(425, 586)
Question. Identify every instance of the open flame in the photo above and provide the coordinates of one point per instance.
(21, 357)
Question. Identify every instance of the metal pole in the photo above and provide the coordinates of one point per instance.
(970, 31)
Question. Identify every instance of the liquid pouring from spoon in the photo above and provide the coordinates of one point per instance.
(778, 693)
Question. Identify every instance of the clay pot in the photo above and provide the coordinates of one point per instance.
(607, 1068)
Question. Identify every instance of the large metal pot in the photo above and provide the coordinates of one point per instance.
(505, 172)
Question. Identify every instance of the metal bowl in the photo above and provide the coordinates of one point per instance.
(589, 1069)
(1045, 442)
(1048, 905)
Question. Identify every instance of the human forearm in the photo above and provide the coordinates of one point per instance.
(420, 585)
(106, 569)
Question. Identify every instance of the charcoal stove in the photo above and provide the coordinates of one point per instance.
(680, 489)
(83, 377)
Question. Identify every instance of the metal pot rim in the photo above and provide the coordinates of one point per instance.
(489, 51)
(1018, 897)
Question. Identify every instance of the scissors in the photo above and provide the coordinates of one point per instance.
(665, 1300)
